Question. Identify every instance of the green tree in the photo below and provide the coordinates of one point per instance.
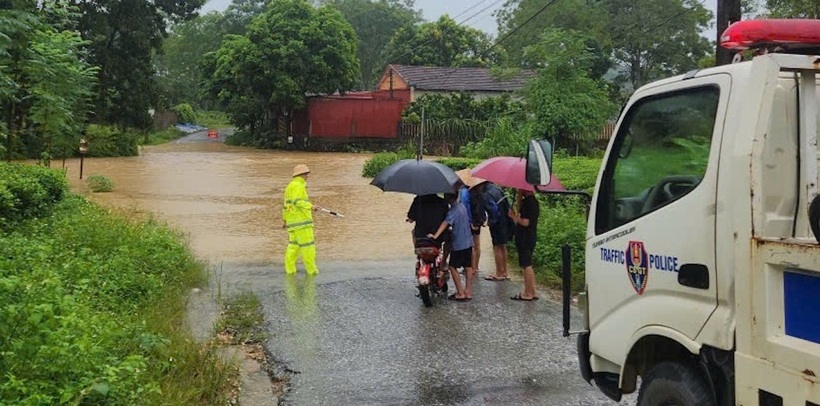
(289, 50)
(793, 8)
(519, 21)
(178, 66)
(565, 103)
(648, 39)
(375, 22)
(124, 36)
(46, 81)
(442, 43)
(657, 38)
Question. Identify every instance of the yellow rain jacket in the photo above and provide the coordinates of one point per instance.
(298, 210)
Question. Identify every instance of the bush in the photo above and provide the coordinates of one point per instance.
(458, 164)
(577, 173)
(161, 137)
(213, 119)
(28, 192)
(108, 141)
(185, 113)
(382, 160)
(559, 223)
(505, 138)
(90, 309)
(99, 183)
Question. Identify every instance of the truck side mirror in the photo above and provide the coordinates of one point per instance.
(539, 163)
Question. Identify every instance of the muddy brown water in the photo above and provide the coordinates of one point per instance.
(228, 200)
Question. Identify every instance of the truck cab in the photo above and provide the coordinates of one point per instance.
(702, 262)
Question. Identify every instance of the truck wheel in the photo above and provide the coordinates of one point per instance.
(674, 384)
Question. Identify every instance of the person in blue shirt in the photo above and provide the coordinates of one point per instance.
(461, 255)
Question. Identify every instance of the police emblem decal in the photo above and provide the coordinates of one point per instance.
(637, 265)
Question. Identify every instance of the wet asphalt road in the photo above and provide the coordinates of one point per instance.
(357, 335)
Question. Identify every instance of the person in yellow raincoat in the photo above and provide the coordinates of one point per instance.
(297, 214)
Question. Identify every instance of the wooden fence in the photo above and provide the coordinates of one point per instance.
(443, 137)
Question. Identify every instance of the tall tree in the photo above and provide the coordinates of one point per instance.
(728, 12)
(124, 36)
(564, 102)
(177, 66)
(519, 21)
(793, 8)
(657, 38)
(648, 39)
(442, 43)
(375, 22)
(46, 84)
(289, 50)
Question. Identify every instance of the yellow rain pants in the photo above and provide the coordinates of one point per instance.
(301, 241)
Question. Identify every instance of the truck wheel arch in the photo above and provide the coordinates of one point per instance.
(651, 345)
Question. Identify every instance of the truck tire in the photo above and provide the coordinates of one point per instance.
(674, 384)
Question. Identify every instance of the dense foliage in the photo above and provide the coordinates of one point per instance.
(565, 103)
(290, 50)
(375, 23)
(442, 43)
(91, 306)
(646, 39)
(28, 192)
(123, 38)
(45, 81)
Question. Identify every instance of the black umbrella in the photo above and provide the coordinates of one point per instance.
(418, 177)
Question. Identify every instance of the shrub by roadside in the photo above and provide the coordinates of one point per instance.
(92, 309)
(99, 183)
(28, 192)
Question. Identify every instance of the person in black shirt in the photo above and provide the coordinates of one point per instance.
(427, 212)
(526, 222)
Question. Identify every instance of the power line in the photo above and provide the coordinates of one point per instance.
(429, 40)
(500, 40)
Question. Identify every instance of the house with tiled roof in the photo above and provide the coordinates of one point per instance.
(480, 82)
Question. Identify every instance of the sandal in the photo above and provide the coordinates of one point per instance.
(518, 297)
(495, 278)
(457, 299)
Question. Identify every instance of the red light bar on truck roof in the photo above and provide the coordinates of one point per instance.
(761, 33)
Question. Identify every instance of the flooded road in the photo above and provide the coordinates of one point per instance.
(355, 334)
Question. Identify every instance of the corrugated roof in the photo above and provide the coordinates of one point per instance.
(459, 79)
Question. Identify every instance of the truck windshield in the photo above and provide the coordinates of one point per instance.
(660, 154)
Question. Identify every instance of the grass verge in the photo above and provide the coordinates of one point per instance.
(242, 320)
(92, 311)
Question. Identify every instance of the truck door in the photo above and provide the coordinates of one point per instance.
(650, 252)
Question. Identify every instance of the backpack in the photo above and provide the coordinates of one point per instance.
(496, 205)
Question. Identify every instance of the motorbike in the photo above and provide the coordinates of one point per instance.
(431, 279)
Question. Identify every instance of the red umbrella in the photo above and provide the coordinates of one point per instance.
(509, 172)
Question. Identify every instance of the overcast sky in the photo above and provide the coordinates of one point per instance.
(470, 10)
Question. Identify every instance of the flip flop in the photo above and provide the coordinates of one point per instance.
(457, 299)
(494, 278)
(518, 297)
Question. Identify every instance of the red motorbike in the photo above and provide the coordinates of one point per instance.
(432, 280)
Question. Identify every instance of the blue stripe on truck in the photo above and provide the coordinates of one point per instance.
(801, 293)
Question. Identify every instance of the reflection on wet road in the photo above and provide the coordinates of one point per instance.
(355, 334)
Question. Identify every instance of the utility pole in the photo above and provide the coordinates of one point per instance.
(728, 12)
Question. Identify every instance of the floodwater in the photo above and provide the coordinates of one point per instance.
(229, 199)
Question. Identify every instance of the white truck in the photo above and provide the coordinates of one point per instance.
(702, 257)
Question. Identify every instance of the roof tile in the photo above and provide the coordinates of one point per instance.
(460, 79)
